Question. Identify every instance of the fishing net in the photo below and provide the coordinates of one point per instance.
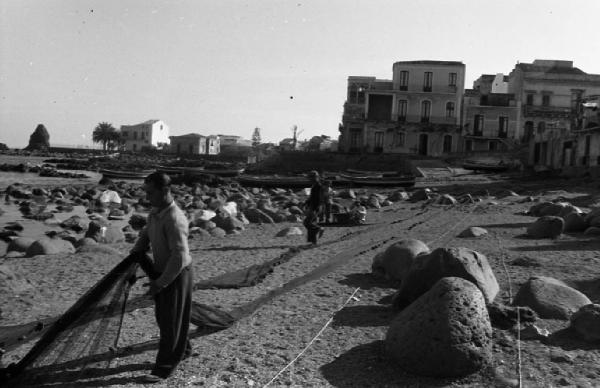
(89, 328)
(83, 339)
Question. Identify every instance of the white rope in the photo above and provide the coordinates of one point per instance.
(312, 340)
(510, 298)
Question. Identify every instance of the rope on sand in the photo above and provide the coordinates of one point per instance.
(314, 338)
(510, 298)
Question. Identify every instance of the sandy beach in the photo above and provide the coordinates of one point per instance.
(329, 329)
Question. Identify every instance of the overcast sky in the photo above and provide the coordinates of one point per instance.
(227, 66)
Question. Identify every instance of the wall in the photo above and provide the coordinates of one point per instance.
(159, 135)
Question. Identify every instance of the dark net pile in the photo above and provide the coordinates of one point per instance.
(80, 340)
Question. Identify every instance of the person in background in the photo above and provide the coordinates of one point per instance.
(312, 208)
(171, 285)
(327, 201)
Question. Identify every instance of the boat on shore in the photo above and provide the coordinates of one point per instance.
(124, 174)
(394, 181)
(201, 171)
(485, 166)
(374, 174)
(274, 181)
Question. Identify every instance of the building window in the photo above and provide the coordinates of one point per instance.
(124, 134)
(404, 80)
(402, 109)
(360, 96)
(399, 139)
(450, 109)
(478, 125)
(161, 127)
(134, 146)
(190, 148)
(143, 135)
(502, 126)
(546, 100)
(452, 79)
(134, 135)
(493, 146)
(447, 143)
(529, 99)
(425, 111)
(541, 127)
(427, 81)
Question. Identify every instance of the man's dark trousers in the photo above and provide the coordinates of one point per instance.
(173, 306)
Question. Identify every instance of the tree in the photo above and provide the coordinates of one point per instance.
(106, 134)
(256, 137)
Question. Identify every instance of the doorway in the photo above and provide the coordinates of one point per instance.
(423, 140)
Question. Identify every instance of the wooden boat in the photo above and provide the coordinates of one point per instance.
(478, 165)
(352, 171)
(171, 170)
(396, 181)
(132, 175)
(274, 181)
(200, 171)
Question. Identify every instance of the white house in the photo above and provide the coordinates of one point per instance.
(147, 135)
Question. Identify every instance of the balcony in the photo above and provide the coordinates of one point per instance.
(427, 88)
(548, 111)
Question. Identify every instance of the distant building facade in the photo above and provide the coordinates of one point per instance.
(549, 94)
(195, 144)
(490, 118)
(418, 111)
(151, 134)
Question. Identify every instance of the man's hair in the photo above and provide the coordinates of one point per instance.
(158, 179)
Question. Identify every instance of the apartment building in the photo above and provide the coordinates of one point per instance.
(550, 94)
(417, 111)
(490, 117)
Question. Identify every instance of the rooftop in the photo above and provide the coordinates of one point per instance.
(426, 62)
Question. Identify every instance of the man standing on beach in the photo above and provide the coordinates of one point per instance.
(312, 207)
(167, 233)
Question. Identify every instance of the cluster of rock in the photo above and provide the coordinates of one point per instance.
(43, 170)
(447, 308)
(560, 217)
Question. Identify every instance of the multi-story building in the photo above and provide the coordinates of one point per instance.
(418, 111)
(489, 117)
(151, 134)
(549, 95)
(195, 144)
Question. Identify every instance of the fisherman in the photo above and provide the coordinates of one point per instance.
(312, 207)
(327, 201)
(167, 233)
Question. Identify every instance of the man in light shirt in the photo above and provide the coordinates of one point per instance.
(171, 287)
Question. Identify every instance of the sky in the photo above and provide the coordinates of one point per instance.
(228, 66)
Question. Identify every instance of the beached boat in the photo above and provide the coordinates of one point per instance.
(171, 170)
(486, 166)
(201, 171)
(274, 181)
(395, 181)
(374, 174)
(133, 175)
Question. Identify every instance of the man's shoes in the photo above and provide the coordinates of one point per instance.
(151, 379)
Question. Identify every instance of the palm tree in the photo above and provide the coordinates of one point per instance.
(105, 133)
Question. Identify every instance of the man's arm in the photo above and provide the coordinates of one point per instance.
(177, 232)
(142, 243)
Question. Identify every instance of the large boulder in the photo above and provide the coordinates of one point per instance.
(49, 246)
(473, 231)
(504, 317)
(39, 139)
(228, 222)
(291, 231)
(550, 297)
(428, 269)
(546, 227)
(575, 222)
(420, 195)
(586, 322)
(255, 215)
(444, 333)
(20, 244)
(395, 262)
(75, 223)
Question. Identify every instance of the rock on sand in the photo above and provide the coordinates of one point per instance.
(446, 332)
(395, 262)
